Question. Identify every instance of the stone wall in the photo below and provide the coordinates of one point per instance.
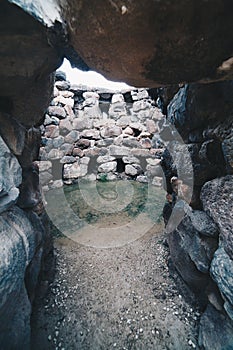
(201, 244)
(150, 54)
(100, 134)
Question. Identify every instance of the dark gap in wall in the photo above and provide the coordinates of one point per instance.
(137, 132)
(120, 165)
(128, 97)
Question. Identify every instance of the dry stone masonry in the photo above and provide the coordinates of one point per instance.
(100, 134)
(201, 245)
(160, 43)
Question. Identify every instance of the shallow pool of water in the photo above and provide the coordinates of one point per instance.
(105, 214)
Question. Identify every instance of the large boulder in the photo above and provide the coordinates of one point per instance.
(18, 246)
(217, 199)
(153, 53)
(191, 250)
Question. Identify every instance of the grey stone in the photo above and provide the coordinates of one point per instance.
(105, 159)
(58, 141)
(68, 159)
(117, 151)
(72, 136)
(55, 154)
(142, 94)
(9, 199)
(74, 171)
(82, 123)
(128, 131)
(227, 148)
(131, 142)
(83, 143)
(69, 112)
(65, 126)
(60, 75)
(140, 105)
(44, 165)
(61, 100)
(109, 131)
(91, 94)
(142, 179)
(118, 140)
(145, 143)
(66, 148)
(215, 331)
(191, 253)
(107, 167)
(151, 126)
(104, 143)
(95, 151)
(140, 152)
(117, 98)
(217, 199)
(130, 160)
(90, 134)
(66, 93)
(48, 120)
(222, 272)
(123, 121)
(45, 178)
(56, 111)
(77, 152)
(153, 161)
(85, 160)
(203, 223)
(133, 169)
(51, 131)
(62, 85)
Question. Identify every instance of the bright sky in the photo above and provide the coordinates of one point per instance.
(91, 78)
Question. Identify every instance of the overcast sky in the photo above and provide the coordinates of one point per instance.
(91, 79)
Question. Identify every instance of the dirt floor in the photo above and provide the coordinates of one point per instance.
(115, 298)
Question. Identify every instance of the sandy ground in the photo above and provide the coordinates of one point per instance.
(115, 298)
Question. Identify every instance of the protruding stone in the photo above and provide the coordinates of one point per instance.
(107, 167)
(133, 169)
(57, 111)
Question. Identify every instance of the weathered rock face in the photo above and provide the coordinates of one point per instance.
(153, 44)
(202, 251)
(24, 241)
(169, 42)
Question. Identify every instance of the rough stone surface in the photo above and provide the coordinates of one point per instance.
(216, 330)
(222, 273)
(217, 199)
(107, 167)
(187, 245)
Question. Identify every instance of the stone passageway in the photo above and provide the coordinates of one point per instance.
(117, 298)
